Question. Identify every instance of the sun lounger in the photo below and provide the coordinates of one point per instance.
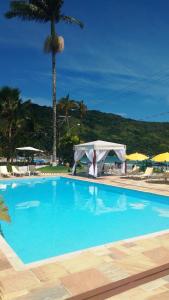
(147, 174)
(4, 172)
(17, 172)
(166, 176)
(159, 178)
(134, 171)
(33, 170)
(108, 169)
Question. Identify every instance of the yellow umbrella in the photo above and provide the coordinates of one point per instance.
(163, 157)
(136, 156)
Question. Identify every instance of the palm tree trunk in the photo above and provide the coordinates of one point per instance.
(54, 106)
(9, 142)
(54, 97)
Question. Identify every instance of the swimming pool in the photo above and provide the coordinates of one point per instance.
(55, 216)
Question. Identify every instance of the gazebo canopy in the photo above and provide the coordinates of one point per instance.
(96, 152)
(100, 145)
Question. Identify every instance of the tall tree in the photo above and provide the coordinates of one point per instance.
(82, 108)
(65, 106)
(45, 11)
(13, 117)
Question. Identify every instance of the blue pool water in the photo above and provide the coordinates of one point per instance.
(54, 216)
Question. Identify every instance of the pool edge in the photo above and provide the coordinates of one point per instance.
(19, 265)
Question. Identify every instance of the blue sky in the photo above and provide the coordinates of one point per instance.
(118, 63)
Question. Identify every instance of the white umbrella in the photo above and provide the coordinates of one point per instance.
(29, 149)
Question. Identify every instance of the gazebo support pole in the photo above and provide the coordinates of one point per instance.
(94, 161)
(125, 166)
(75, 171)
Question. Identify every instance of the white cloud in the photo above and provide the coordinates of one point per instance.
(122, 114)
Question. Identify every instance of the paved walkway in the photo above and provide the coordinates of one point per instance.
(98, 273)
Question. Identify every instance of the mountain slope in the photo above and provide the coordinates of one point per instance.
(146, 137)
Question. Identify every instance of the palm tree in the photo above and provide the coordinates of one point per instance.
(9, 106)
(45, 11)
(82, 108)
(13, 117)
(65, 106)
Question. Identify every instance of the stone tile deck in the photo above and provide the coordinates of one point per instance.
(132, 269)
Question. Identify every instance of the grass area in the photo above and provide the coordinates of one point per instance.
(57, 169)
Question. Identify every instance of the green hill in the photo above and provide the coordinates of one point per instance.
(147, 137)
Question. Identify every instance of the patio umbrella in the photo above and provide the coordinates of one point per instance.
(136, 157)
(29, 149)
(163, 157)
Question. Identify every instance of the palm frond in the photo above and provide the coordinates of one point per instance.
(27, 11)
(71, 20)
(54, 8)
(42, 4)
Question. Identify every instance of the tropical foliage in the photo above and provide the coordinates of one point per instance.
(25, 124)
(66, 146)
(145, 137)
(46, 11)
(65, 107)
(29, 124)
(4, 215)
(14, 119)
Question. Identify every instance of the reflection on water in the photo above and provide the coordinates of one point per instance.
(101, 208)
(100, 201)
(97, 201)
(14, 185)
(3, 186)
(162, 212)
(28, 204)
(139, 205)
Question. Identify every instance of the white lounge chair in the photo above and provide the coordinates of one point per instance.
(33, 170)
(135, 169)
(166, 176)
(108, 169)
(17, 172)
(159, 178)
(147, 174)
(133, 172)
(4, 172)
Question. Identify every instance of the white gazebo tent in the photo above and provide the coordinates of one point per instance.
(96, 152)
